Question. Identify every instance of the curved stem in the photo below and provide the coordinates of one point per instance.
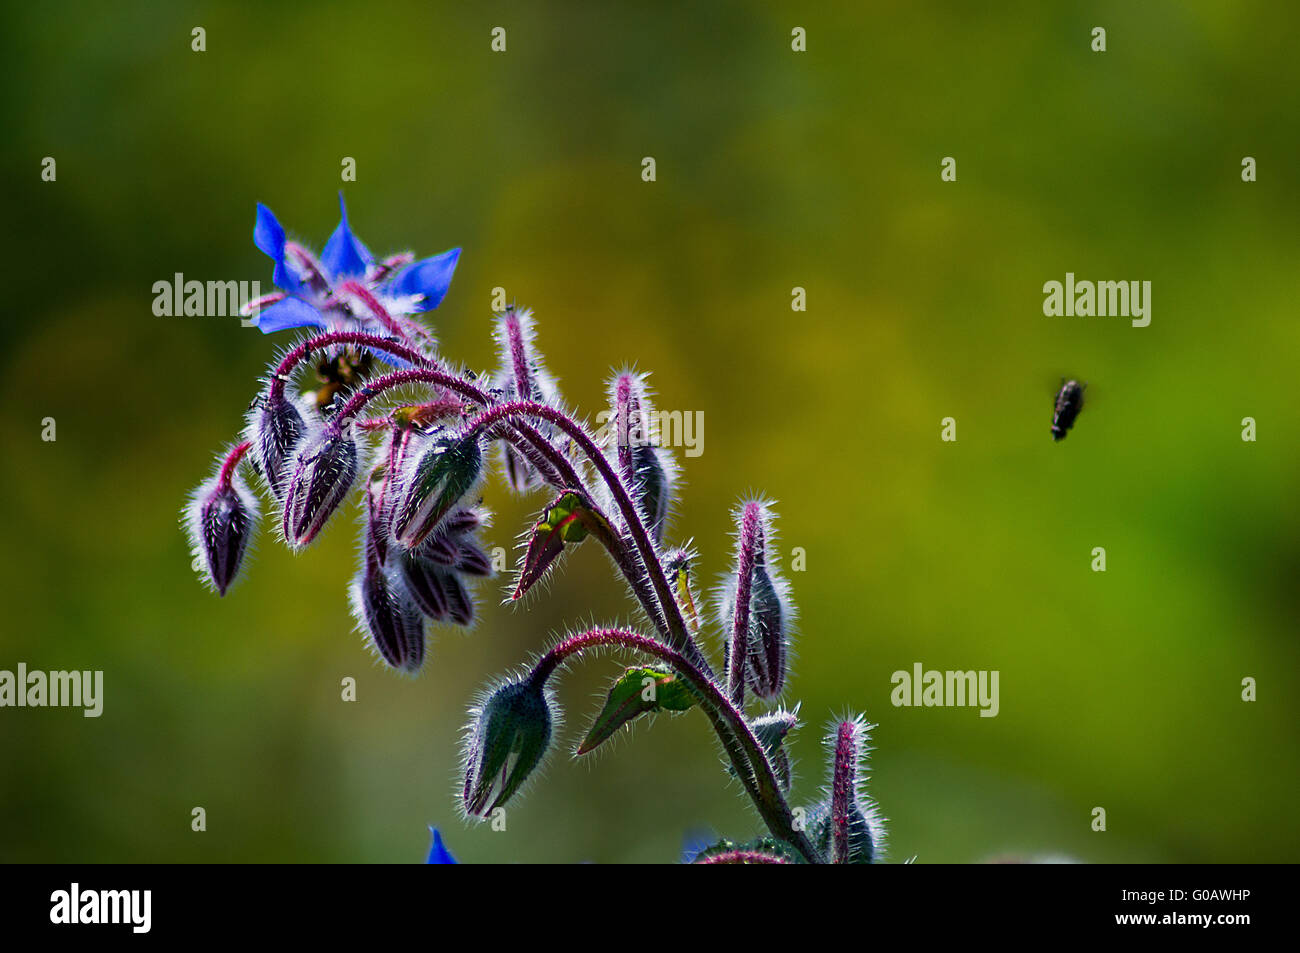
(668, 610)
(728, 720)
(678, 634)
(232, 460)
(372, 341)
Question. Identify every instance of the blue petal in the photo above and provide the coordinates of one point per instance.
(289, 313)
(430, 277)
(344, 256)
(268, 235)
(438, 854)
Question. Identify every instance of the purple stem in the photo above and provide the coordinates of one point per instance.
(678, 634)
(658, 612)
(744, 749)
(232, 460)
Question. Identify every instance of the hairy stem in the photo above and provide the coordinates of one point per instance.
(661, 610)
(678, 635)
(229, 464)
(750, 761)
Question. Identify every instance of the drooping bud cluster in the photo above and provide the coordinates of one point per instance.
(632, 440)
(522, 375)
(220, 519)
(508, 735)
(846, 827)
(398, 586)
(754, 609)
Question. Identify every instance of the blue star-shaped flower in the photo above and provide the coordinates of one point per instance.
(347, 289)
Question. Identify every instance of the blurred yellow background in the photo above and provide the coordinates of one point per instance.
(775, 169)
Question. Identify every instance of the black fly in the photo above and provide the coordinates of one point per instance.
(1069, 401)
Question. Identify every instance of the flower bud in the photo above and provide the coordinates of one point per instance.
(648, 470)
(521, 376)
(653, 487)
(220, 519)
(275, 427)
(508, 738)
(472, 561)
(324, 472)
(846, 828)
(771, 731)
(439, 478)
(390, 620)
(767, 648)
(755, 609)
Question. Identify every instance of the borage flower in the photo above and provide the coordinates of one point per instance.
(347, 289)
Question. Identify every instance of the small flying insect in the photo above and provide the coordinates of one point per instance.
(1069, 401)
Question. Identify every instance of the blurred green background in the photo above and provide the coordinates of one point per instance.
(775, 169)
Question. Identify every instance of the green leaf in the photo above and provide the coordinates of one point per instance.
(638, 691)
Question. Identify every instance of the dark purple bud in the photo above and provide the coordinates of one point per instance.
(755, 610)
(275, 427)
(424, 581)
(462, 521)
(522, 376)
(472, 561)
(652, 488)
(441, 476)
(436, 590)
(325, 469)
(438, 548)
(647, 469)
(220, 520)
(391, 622)
(508, 738)
(460, 606)
(767, 647)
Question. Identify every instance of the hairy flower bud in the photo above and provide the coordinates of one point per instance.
(324, 471)
(220, 519)
(441, 476)
(652, 488)
(436, 590)
(767, 648)
(391, 622)
(846, 827)
(755, 609)
(632, 438)
(510, 734)
(275, 427)
(771, 731)
(522, 376)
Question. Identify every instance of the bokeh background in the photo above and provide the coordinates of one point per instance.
(775, 169)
